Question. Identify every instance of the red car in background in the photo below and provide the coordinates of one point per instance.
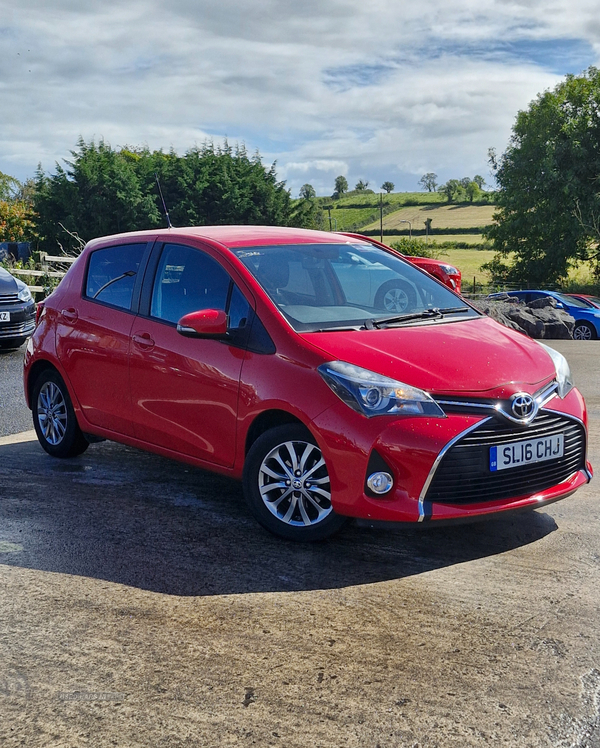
(593, 301)
(445, 273)
(268, 354)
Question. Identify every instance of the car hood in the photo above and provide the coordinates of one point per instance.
(8, 284)
(476, 355)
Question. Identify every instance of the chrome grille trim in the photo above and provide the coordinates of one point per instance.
(9, 298)
(436, 464)
(468, 486)
(491, 407)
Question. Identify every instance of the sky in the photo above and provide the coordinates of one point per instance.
(384, 90)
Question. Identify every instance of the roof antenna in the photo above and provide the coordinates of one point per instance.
(163, 201)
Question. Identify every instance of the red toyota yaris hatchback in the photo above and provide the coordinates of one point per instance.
(272, 355)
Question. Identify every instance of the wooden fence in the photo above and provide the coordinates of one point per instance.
(47, 262)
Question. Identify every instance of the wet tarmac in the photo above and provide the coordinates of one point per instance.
(141, 605)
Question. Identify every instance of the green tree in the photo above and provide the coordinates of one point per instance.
(549, 185)
(388, 187)
(429, 181)
(454, 190)
(10, 187)
(361, 186)
(16, 221)
(99, 192)
(17, 218)
(473, 191)
(341, 185)
(102, 191)
(415, 248)
(307, 192)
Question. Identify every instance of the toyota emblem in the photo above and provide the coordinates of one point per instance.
(522, 405)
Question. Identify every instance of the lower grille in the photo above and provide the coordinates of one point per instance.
(15, 330)
(464, 477)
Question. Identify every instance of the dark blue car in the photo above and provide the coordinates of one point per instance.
(587, 319)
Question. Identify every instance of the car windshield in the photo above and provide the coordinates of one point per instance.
(344, 286)
(571, 301)
(590, 301)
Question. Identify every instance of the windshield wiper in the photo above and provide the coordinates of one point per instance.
(337, 329)
(127, 274)
(434, 313)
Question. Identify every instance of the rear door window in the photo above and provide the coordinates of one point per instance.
(112, 274)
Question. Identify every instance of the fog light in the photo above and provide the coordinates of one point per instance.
(380, 482)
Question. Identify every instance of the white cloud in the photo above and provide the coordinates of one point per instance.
(374, 91)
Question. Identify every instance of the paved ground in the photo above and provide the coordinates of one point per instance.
(14, 415)
(140, 605)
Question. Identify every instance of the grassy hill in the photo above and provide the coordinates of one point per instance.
(359, 211)
(456, 229)
(442, 216)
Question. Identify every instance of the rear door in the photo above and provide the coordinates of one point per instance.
(93, 334)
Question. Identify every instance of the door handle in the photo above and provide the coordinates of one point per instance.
(143, 340)
(70, 315)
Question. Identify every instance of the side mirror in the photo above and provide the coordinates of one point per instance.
(206, 323)
(560, 305)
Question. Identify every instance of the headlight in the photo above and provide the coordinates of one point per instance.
(24, 293)
(375, 395)
(563, 371)
(450, 269)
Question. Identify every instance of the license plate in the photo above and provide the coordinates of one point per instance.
(4, 316)
(526, 452)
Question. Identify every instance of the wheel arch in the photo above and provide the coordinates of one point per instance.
(267, 420)
(37, 368)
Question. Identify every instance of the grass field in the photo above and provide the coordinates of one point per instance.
(357, 209)
(442, 216)
(469, 262)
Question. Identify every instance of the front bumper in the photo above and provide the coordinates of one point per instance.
(428, 487)
(22, 320)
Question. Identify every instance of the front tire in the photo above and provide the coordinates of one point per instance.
(584, 331)
(287, 485)
(54, 418)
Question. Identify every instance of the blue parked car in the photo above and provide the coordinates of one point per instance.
(587, 319)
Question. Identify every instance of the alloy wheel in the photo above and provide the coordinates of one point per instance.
(582, 332)
(52, 413)
(395, 300)
(294, 484)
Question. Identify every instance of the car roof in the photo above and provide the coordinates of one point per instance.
(239, 236)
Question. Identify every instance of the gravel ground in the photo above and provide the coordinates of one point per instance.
(141, 607)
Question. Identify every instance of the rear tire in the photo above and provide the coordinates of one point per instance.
(54, 418)
(287, 487)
